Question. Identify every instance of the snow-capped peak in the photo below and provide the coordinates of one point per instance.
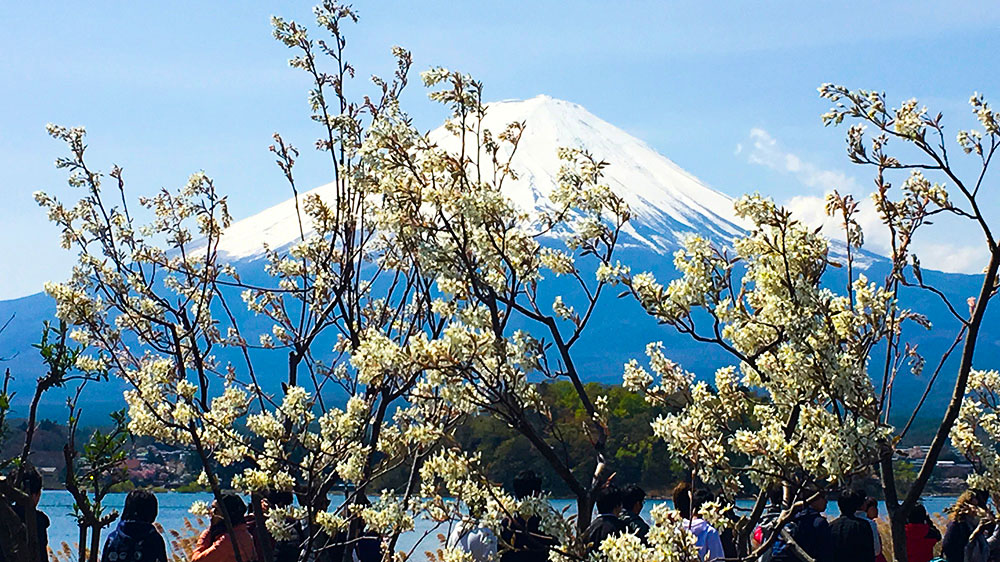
(666, 201)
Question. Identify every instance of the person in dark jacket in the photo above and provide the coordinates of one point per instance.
(727, 536)
(633, 497)
(607, 522)
(964, 535)
(808, 530)
(135, 539)
(262, 539)
(13, 535)
(768, 521)
(30, 481)
(852, 535)
(521, 540)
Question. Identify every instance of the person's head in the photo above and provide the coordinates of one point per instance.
(232, 505)
(982, 498)
(682, 499)
(701, 497)
(140, 505)
(30, 481)
(527, 483)
(609, 500)
(871, 507)
(277, 499)
(965, 505)
(817, 499)
(776, 495)
(851, 501)
(632, 498)
(917, 515)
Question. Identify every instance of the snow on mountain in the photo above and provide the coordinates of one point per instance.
(277, 226)
(666, 201)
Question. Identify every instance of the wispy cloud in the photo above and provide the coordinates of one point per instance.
(765, 150)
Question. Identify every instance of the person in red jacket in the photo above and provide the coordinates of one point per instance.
(921, 536)
(215, 544)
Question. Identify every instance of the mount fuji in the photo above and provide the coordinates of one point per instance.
(666, 201)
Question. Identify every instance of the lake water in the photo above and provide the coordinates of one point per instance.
(58, 505)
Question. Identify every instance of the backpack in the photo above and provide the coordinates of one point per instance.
(783, 549)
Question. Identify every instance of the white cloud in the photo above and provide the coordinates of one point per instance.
(951, 258)
(810, 209)
(765, 151)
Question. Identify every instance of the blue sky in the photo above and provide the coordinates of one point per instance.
(726, 90)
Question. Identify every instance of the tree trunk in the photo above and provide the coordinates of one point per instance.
(897, 524)
(584, 508)
(954, 405)
(95, 542)
(81, 546)
(259, 530)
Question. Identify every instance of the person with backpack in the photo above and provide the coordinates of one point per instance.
(807, 531)
(521, 539)
(768, 520)
(135, 539)
(852, 534)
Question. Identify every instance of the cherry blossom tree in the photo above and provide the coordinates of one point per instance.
(397, 297)
(800, 408)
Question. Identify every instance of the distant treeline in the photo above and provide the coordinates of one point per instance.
(634, 453)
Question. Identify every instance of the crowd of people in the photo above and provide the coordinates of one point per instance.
(972, 534)
(618, 510)
(853, 536)
(135, 538)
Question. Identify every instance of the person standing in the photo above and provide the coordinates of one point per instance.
(30, 481)
(869, 512)
(965, 537)
(921, 535)
(135, 539)
(851, 532)
(768, 521)
(809, 531)
(521, 540)
(470, 536)
(607, 523)
(706, 536)
(633, 497)
(290, 547)
(215, 544)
